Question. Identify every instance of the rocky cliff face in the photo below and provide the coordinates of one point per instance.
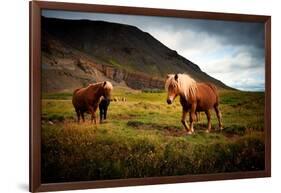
(76, 53)
(65, 68)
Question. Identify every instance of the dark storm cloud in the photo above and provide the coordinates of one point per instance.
(250, 35)
(230, 51)
(235, 33)
(232, 33)
(246, 34)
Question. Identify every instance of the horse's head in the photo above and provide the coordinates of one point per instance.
(172, 87)
(180, 84)
(107, 88)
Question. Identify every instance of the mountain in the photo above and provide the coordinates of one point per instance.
(78, 52)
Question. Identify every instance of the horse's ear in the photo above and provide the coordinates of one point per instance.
(104, 83)
(176, 77)
(168, 76)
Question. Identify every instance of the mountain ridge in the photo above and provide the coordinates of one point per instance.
(97, 50)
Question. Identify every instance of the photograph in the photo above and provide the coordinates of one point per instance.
(128, 96)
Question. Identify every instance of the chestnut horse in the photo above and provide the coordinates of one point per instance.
(87, 99)
(194, 97)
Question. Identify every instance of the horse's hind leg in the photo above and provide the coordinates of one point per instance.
(105, 113)
(78, 115)
(208, 114)
(218, 113)
(198, 116)
(101, 114)
(82, 115)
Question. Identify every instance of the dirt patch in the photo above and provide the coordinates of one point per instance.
(170, 130)
(234, 130)
(174, 131)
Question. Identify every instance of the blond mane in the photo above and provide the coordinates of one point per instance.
(108, 85)
(185, 84)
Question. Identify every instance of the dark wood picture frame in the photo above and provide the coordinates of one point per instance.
(35, 95)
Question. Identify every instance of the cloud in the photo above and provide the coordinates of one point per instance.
(232, 52)
(237, 62)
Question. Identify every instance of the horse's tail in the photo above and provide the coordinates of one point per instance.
(74, 96)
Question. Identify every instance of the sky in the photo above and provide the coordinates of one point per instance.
(232, 52)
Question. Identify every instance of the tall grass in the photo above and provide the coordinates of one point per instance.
(143, 137)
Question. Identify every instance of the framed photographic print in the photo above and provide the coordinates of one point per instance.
(123, 96)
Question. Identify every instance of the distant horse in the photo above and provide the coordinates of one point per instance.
(103, 106)
(87, 99)
(194, 97)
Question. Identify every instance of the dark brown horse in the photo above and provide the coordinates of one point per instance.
(87, 99)
(103, 106)
(194, 97)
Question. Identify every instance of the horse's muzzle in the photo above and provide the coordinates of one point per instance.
(169, 101)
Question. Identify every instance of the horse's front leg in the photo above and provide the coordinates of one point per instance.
(93, 114)
(93, 117)
(183, 121)
(192, 116)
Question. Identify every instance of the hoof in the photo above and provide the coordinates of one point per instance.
(189, 133)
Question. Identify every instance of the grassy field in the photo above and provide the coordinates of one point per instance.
(143, 137)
